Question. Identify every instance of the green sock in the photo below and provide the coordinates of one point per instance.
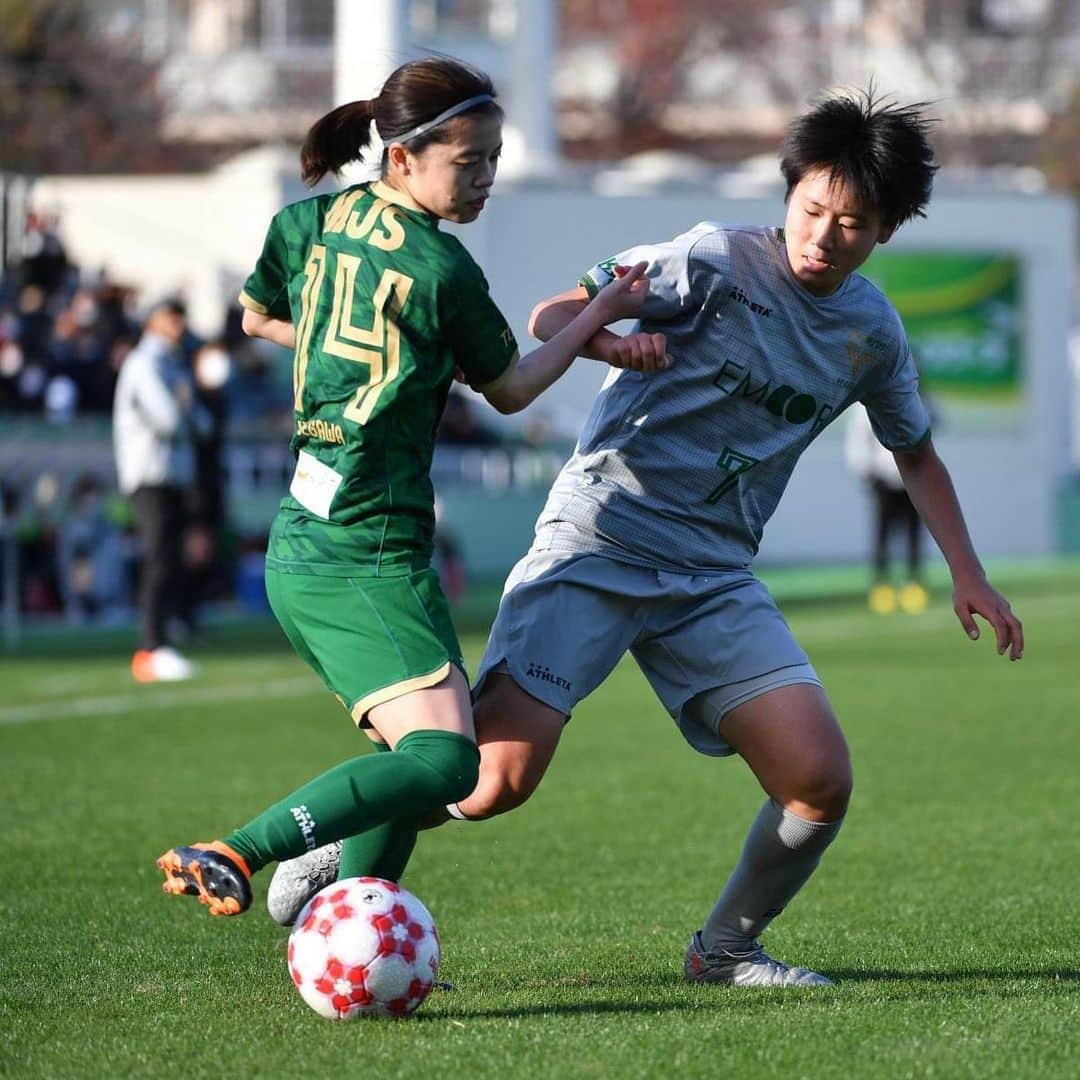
(427, 769)
(381, 852)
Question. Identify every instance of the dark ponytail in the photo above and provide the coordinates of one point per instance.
(414, 94)
(335, 140)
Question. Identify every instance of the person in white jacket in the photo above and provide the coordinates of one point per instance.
(893, 512)
(156, 420)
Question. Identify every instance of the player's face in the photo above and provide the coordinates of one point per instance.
(452, 180)
(827, 233)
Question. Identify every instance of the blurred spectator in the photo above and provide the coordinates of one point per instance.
(206, 574)
(119, 348)
(61, 397)
(893, 512)
(58, 334)
(459, 426)
(44, 261)
(212, 370)
(78, 352)
(64, 335)
(31, 332)
(256, 393)
(56, 354)
(90, 555)
(30, 520)
(156, 421)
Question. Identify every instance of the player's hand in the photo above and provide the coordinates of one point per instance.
(979, 597)
(639, 352)
(623, 297)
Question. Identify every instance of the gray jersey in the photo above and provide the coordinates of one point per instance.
(683, 468)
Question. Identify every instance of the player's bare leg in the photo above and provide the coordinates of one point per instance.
(791, 740)
(517, 736)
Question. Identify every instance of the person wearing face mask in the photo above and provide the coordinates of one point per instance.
(156, 423)
(380, 308)
(204, 537)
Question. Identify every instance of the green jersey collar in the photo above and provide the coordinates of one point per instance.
(384, 191)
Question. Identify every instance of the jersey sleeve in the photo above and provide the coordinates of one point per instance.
(673, 273)
(267, 287)
(480, 338)
(897, 414)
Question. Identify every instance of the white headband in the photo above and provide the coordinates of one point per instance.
(423, 129)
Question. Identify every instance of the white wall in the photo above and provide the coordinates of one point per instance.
(203, 234)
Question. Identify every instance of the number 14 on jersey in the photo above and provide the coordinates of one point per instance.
(376, 346)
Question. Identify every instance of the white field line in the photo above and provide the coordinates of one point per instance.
(159, 699)
(58, 684)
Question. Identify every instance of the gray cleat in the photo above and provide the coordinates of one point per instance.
(297, 880)
(752, 967)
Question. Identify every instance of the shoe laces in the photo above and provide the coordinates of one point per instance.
(318, 869)
(754, 952)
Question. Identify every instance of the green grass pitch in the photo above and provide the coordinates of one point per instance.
(946, 912)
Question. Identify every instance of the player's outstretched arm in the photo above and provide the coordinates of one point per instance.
(535, 372)
(639, 352)
(279, 331)
(931, 490)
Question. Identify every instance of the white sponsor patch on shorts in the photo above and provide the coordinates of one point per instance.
(314, 485)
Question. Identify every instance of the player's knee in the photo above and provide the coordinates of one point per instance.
(823, 793)
(451, 764)
(834, 794)
(504, 785)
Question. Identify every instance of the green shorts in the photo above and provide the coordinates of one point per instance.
(370, 639)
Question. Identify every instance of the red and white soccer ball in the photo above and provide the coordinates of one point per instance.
(364, 947)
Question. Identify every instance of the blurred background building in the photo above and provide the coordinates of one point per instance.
(191, 82)
(146, 145)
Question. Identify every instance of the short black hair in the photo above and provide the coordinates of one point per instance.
(878, 149)
(174, 305)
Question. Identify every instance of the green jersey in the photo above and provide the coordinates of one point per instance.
(385, 308)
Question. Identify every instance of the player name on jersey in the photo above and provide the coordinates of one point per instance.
(320, 429)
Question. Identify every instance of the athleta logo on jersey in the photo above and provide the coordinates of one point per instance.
(544, 674)
(306, 824)
(794, 406)
(740, 297)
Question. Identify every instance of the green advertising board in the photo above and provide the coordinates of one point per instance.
(962, 315)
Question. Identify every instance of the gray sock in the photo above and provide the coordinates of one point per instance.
(781, 851)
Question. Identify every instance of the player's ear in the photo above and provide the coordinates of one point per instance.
(398, 157)
(885, 233)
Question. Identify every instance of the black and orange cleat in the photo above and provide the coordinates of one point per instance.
(214, 873)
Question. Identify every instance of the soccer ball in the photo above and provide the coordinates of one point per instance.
(364, 947)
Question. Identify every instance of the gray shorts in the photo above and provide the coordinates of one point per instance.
(706, 643)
